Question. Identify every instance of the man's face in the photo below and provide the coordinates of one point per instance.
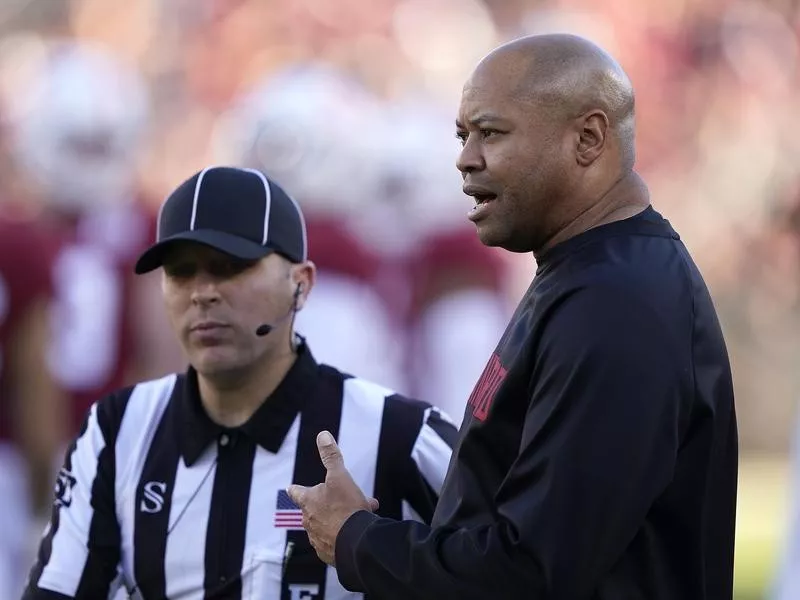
(515, 160)
(215, 302)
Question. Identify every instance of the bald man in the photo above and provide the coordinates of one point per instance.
(598, 454)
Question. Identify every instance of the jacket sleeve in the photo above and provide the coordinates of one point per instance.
(80, 551)
(598, 445)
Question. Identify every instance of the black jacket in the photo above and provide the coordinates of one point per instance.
(598, 455)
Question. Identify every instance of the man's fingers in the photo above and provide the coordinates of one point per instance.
(329, 451)
(373, 504)
(298, 494)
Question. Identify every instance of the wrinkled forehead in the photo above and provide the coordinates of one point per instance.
(492, 89)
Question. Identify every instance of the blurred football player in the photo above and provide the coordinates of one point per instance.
(304, 126)
(457, 308)
(31, 409)
(78, 131)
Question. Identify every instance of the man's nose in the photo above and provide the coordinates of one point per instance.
(471, 157)
(204, 290)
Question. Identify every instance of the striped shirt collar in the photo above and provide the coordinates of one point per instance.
(269, 424)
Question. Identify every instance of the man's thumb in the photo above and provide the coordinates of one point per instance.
(329, 451)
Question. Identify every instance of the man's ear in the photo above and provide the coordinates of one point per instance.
(591, 137)
(304, 276)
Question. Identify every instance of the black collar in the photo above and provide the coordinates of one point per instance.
(269, 424)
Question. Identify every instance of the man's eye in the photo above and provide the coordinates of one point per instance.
(180, 271)
(461, 136)
(229, 268)
(485, 133)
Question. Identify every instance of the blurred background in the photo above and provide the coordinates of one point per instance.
(106, 105)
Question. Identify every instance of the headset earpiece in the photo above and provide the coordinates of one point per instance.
(297, 291)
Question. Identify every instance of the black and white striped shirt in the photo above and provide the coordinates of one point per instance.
(155, 496)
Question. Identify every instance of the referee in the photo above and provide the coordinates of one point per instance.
(175, 488)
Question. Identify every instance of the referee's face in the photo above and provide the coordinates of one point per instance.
(215, 302)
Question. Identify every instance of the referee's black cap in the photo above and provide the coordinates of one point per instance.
(241, 212)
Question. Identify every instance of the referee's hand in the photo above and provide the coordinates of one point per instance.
(328, 505)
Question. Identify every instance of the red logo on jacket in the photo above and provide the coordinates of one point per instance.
(483, 395)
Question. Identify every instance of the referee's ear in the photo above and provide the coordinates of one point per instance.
(304, 276)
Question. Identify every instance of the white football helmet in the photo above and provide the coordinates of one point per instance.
(420, 186)
(306, 126)
(77, 128)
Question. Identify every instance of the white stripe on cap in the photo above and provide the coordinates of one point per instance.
(302, 226)
(197, 196)
(267, 202)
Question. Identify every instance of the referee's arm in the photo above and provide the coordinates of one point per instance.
(79, 554)
(429, 460)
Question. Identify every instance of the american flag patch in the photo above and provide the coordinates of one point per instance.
(287, 514)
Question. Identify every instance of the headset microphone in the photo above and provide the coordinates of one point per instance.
(263, 330)
(266, 328)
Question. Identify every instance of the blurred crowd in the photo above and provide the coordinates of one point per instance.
(106, 105)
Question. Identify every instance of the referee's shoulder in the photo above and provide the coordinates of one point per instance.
(142, 402)
(399, 408)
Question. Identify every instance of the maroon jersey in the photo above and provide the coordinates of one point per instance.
(24, 278)
(454, 259)
(456, 315)
(333, 248)
(347, 320)
(93, 329)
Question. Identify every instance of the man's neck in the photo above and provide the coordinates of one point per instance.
(628, 196)
(231, 401)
